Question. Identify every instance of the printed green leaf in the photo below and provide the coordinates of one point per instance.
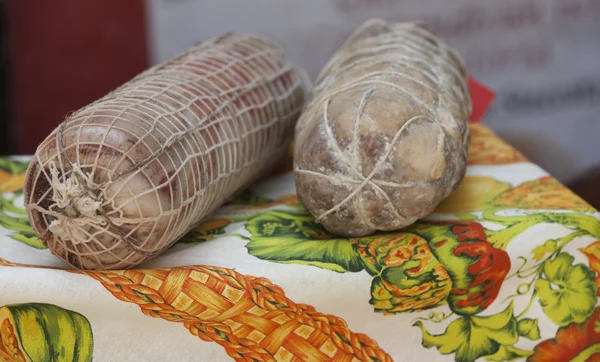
(8, 205)
(528, 328)
(470, 338)
(13, 166)
(567, 293)
(248, 198)
(541, 250)
(19, 224)
(508, 353)
(292, 237)
(32, 241)
(13, 217)
(336, 255)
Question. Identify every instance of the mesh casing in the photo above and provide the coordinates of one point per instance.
(120, 180)
(383, 138)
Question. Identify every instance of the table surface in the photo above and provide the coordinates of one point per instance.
(506, 268)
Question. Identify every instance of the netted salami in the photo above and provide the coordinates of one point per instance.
(383, 138)
(120, 180)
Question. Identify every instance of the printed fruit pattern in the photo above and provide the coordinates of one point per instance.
(37, 332)
(459, 263)
(428, 264)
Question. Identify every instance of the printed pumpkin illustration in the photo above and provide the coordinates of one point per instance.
(476, 268)
(37, 332)
(574, 342)
(407, 276)
(427, 265)
(485, 148)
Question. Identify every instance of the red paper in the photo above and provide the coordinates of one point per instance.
(481, 97)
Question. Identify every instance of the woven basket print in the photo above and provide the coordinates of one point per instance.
(250, 317)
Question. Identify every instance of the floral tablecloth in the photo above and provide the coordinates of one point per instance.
(506, 268)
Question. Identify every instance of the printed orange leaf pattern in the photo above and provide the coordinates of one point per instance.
(9, 349)
(592, 252)
(250, 317)
(485, 148)
(545, 193)
(575, 342)
(10, 182)
(476, 193)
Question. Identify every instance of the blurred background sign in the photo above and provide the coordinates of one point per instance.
(540, 56)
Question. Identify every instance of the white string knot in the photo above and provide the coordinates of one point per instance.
(79, 206)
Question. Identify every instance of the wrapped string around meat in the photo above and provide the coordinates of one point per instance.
(383, 138)
(120, 180)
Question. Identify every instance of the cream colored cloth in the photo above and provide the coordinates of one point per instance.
(505, 268)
